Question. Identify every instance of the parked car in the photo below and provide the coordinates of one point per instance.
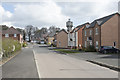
(108, 49)
(42, 42)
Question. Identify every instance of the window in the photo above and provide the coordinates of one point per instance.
(90, 43)
(90, 32)
(96, 31)
(85, 32)
(59, 43)
(15, 35)
(96, 44)
(87, 38)
(85, 44)
(6, 35)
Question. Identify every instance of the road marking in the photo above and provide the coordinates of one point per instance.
(37, 65)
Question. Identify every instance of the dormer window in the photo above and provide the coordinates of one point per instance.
(6, 35)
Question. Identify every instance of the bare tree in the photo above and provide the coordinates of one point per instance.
(54, 29)
(29, 31)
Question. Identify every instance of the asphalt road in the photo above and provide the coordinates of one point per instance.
(38, 62)
(109, 59)
(53, 65)
(21, 66)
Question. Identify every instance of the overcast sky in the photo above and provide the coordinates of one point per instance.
(48, 13)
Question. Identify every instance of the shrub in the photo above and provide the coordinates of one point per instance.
(90, 49)
(7, 46)
(24, 44)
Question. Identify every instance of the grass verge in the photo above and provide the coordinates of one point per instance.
(66, 50)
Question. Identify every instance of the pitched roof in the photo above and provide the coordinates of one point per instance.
(51, 34)
(102, 20)
(80, 26)
(62, 30)
(10, 30)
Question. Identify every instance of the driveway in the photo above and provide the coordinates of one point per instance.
(109, 59)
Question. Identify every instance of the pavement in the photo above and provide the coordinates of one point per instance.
(21, 66)
(53, 65)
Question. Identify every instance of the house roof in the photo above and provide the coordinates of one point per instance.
(79, 27)
(102, 20)
(62, 30)
(51, 34)
(10, 30)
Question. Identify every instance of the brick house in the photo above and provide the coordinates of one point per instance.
(61, 39)
(80, 36)
(77, 37)
(13, 34)
(104, 32)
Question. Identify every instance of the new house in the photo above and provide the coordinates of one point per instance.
(61, 39)
(79, 38)
(103, 32)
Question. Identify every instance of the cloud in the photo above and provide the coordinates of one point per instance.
(82, 12)
(45, 14)
(38, 14)
(4, 15)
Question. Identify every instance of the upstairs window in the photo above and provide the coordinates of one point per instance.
(85, 32)
(96, 31)
(90, 32)
(6, 35)
(15, 35)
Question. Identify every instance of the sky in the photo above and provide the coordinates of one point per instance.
(55, 13)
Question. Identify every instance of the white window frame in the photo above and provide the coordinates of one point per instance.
(85, 32)
(96, 44)
(59, 43)
(87, 38)
(90, 43)
(6, 35)
(15, 35)
(96, 31)
(90, 32)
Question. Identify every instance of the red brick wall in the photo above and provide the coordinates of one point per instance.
(11, 36)
(62, 39)
(80, 37)
(98, 36)
(109, 32)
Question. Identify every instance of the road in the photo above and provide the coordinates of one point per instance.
(37, 61)
(21, 66)
(53, 65)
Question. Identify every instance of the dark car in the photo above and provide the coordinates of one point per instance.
(108, 49)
